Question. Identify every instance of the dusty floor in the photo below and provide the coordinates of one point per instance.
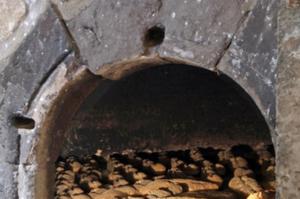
(207, 173)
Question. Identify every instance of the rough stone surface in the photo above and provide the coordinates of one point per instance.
(12, 13)
(31, 60)
(69, 9)
(8, 180)
(288, 100)
(93, 32)
(25, 25)
(21, 75)
(198, 31)
(237, 38)
(251, 58)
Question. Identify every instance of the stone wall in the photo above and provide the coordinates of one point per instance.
(25, 61)
(288, 99)
(238, 38)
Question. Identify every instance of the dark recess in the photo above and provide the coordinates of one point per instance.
(154, 36)
(22, 122)
(168, 107)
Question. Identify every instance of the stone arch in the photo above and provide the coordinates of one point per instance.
(52, 108)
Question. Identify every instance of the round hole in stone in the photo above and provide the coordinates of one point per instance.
(22, 122)
(154, 36)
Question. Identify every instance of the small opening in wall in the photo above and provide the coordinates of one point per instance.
(154, 36)
(22, 122)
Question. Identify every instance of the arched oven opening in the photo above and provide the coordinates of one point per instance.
(166, 131)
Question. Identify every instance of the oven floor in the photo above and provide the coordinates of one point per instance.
(207, 173)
